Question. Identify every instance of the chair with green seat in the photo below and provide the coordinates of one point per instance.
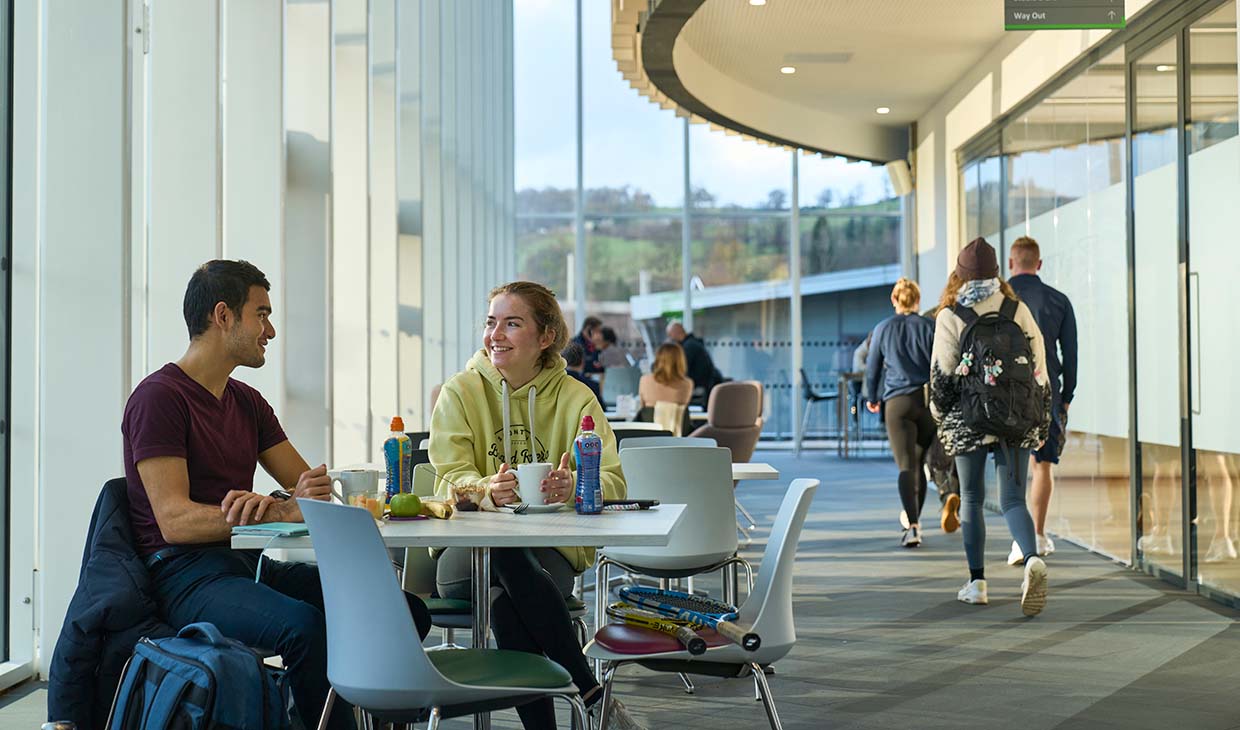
(451, 614)
(374, 658)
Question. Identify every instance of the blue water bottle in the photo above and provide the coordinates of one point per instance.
(398, 460)
(588, 448)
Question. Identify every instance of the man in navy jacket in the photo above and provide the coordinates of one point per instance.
(1057, 321)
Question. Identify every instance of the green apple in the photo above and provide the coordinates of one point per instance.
(406, 504)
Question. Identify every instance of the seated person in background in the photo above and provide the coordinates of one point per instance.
(698, 364)
(590, 338)
(192, 438)
(515, 403)
(666, 380)
(612, 354)
(574, 358)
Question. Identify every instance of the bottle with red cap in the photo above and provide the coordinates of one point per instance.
(398, 459)
(588, 450)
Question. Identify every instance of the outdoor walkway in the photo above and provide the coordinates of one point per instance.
(884, 644)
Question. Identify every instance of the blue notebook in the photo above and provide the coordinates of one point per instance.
(275, 529)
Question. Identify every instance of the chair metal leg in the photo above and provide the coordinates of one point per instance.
(609, 675)
(600, 603)
(753, 524)
(768, 701)
(327, 708)
(796, 450)
(434, 721)
(577, 712)
(743, 534)
(684, 678)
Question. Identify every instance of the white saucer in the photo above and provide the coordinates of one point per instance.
(536, 509)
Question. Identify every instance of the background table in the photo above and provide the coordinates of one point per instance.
(481, 531)
(754, 470)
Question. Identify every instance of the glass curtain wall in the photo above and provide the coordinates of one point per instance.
(1213, 167)
(1066, 190)
(738, 220)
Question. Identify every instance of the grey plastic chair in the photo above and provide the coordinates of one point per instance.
(374, 657)
(768, 610)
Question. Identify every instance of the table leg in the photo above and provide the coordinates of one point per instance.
(481, 575)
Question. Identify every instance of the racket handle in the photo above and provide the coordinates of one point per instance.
(691, 641)
(747, 640)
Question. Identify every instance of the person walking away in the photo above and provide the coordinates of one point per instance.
(1053, 311)
(900, 358)
(942, 467)
(989, 392)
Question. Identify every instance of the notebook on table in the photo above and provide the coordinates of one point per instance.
(274, 529)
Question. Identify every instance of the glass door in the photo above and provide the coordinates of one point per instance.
(1213, 172)
(1156, 241)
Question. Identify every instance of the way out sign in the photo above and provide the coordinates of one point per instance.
(1061, 14)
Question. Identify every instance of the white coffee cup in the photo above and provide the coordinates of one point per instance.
(529, 481)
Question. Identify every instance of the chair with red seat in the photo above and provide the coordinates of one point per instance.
(768, 610)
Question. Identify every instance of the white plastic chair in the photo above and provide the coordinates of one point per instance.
(768, 610)
(374, 657)
(642, 442)
(701, 479)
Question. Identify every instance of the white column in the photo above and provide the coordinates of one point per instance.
(68, 289)
(413, 388)
(383, 207)
(434, 270)
(253, 169)
(307, 228)
(794, 276)
(183, 160)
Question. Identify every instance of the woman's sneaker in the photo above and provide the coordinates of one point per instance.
(949, 519)
(1016, 557)
(1033, 589)
(1046, 546)
(911, 539)
(974, 592)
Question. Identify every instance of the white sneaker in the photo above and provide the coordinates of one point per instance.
(911, 539)
(1046, 546)
(904, 523)
(1221, 549)
(1033, 588)
(1016, 557)
(974, 592)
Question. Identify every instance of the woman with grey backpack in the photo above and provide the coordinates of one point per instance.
(990, 393)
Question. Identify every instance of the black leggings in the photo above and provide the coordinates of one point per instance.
(910, 430)
(528, 615)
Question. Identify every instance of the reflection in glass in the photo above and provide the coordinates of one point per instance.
(1213, 187)
(1066, 190)
(1156, 267)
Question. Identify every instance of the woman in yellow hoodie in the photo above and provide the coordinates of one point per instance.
(478, 438)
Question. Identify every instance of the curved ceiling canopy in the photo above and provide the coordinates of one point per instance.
(719, 62)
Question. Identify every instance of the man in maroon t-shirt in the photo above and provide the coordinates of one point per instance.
(193, 438)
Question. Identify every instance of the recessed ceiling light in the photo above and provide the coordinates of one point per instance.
(883, 110)
(757, 2)
(787, 69)
(1163, 67)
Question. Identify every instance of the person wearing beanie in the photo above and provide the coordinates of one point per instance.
(975, 285)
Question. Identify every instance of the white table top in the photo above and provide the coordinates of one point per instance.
(635, 425)
(754, 470)
(652, 527)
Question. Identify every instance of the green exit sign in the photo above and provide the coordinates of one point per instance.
(1061, 14)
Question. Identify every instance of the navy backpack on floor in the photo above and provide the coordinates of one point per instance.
(199, 680)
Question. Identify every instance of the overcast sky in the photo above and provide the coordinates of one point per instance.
(629, 140)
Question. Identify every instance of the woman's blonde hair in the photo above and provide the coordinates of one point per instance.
(906, 295)
(547, 316)
(669, 364)
(954, 283)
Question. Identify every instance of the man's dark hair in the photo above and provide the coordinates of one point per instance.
(590, 324)
(609, 335)
(574, 355)
(219, 281)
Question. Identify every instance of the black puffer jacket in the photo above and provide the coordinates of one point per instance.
(113, 606)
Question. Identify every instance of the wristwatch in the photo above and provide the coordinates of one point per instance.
(281, 495)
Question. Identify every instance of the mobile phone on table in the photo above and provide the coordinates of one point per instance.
(630, 503)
